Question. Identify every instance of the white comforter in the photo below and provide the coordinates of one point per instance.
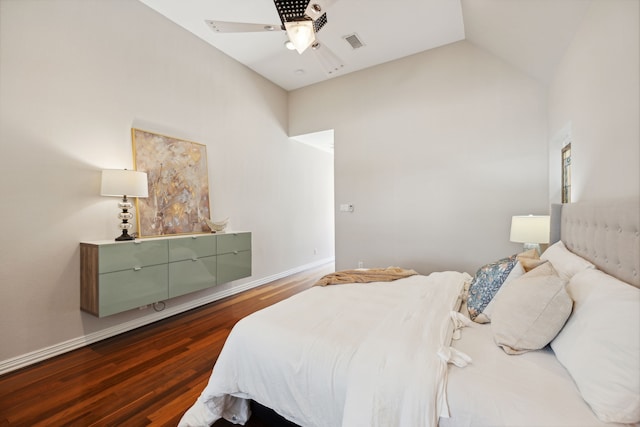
(341, 355)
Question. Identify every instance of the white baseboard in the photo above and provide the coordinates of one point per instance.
(81, 341)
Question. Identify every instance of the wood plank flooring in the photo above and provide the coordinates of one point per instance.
(145, 377)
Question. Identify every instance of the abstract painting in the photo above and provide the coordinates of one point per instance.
(178, 179)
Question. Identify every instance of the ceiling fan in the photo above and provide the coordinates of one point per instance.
(301, 20)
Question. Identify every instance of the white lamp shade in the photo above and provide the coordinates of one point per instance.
(301, 34)
(122, 182)
(530, 229)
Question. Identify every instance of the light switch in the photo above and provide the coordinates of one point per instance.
(346, 207)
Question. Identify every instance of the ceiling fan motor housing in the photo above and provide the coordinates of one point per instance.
(295, 10)
(291, 10)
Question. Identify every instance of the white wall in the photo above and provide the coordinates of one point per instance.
(436, 151)
(597, 90)
(75, 77)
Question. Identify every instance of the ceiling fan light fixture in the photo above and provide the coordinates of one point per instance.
(301, 34)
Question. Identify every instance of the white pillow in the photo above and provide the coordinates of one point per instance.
(530, 311)
(600, 345)
(565, 262)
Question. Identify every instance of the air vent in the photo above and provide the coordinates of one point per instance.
(354, 41)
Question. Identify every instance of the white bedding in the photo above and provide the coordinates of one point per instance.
(350, 355)
(539, 390)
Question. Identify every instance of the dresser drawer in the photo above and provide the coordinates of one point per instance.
(193, 247)
(129, 255)
(191, 275)
(234, 266)
(233, 242)
(124, 290)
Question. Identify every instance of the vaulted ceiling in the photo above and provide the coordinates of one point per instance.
(532, 35)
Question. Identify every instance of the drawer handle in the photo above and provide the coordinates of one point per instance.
(137, 268)
(194, 237)
(235, 252)
(194, 259)
(137, 242)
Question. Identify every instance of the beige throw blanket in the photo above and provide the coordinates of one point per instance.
(365, 276)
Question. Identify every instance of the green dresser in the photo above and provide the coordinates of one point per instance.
(119, 276)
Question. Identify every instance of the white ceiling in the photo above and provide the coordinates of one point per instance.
(530, 34)
(390, 29)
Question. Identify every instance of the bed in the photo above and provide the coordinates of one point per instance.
(559, 344)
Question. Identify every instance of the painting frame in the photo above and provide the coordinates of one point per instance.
(178, 183)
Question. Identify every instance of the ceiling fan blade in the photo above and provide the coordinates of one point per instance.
(328, 60)
(316, 8)
(240, 27)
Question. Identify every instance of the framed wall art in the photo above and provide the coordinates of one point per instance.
(178, 201)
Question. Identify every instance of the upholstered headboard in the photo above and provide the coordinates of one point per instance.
(607, 234)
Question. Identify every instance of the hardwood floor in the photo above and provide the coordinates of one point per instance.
(145, 377)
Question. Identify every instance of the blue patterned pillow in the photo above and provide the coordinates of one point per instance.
(486, 283)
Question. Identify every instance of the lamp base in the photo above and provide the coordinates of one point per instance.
(529, 246)
(125, 216)
(124, 236)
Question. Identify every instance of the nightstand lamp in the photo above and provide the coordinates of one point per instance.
(124, 183)
(530, 230)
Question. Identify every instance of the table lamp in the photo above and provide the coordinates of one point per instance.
(531, 230)
(124, 183)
